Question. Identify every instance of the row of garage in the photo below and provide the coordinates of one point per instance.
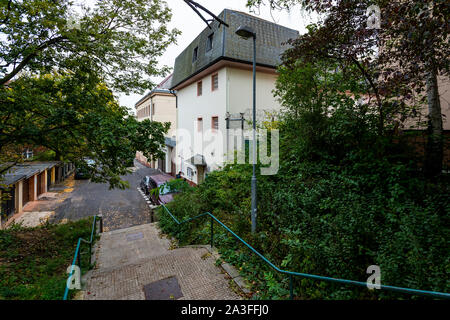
(26, 182)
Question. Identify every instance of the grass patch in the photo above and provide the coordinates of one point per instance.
(33, 261)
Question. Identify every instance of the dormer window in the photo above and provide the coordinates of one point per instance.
(195, 54)
(209, 42)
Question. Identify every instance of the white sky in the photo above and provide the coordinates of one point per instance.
(190, 24)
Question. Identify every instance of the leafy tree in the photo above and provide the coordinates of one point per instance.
(399, 62)
(121, 40)
(335, 206)
(345, 197)
(56, 73)
(76, 116)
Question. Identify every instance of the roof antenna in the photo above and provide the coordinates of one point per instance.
(195, 6)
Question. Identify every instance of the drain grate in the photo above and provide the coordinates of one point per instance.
(166, 289)
(134, 236)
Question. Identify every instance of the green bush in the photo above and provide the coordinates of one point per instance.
(34, 261)
(346, 196)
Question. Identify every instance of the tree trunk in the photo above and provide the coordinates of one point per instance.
(434, 148)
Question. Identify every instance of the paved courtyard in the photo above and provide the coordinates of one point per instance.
(120, 208)
(130, 259)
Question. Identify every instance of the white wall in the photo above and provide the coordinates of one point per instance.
(191, 107)
(165, 111)
(241, 91)
(160, 107)
(234, 95)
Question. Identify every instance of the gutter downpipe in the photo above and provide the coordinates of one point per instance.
(174, 93)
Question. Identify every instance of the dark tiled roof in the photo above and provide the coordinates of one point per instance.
(170, 142)
(26, 170)
(197, 160)
(163, 87)
(166, 83)
(228, 45)
(12, 178)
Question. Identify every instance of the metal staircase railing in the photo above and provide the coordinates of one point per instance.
(77, 256)
(291, 274)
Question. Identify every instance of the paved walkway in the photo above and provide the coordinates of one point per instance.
(120, 208)
(130, 259)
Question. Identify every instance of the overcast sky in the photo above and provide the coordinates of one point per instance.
(190, 24)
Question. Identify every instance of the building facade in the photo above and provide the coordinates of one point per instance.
(26, 182)
(213, 79)
(160, 105)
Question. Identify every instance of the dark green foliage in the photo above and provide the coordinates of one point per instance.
(345, 198)
(33, 261)
(328, 220)
(57, 73)
(76, 116)
(119, 40)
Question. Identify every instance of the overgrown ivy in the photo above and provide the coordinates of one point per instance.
(345, 197)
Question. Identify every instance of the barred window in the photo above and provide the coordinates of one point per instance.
(215, 123)
(200, 124)
(214, 82)
(199, 88)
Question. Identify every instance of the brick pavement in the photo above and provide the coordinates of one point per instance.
(131, 258)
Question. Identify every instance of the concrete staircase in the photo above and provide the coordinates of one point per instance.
(127, 260)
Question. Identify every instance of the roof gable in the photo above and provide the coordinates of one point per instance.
(227, 45)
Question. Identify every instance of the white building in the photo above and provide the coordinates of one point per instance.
(213, 79)
(160, 105)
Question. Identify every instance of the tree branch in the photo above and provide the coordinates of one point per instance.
(29, 57)
(375, 90)
(7, 13)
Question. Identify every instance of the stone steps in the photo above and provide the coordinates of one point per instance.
(129, 259)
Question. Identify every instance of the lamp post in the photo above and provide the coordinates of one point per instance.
(247, 32)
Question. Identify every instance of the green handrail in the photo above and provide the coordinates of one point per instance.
(305, 275)
(77, 255)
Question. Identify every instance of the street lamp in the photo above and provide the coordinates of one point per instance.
(247, 32)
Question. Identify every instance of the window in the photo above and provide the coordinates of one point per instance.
(215, 124)
(199, 88)
(28, 154)
(190, 173)
(209, 42)
(153, 109)
(195, 54)
(214, 82)
(199, 124)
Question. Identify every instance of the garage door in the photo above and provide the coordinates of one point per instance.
(41, 184)
(25, 193)
(49, 178)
